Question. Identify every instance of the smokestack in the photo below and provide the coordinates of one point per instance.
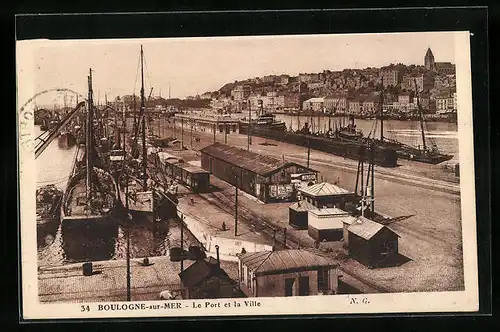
(217, 251)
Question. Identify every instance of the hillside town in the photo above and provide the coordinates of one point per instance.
(350, 91)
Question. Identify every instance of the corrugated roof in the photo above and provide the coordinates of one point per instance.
(324, 189)
(302, 206)
(193, 169)
(251, 161)
(329, 212)
(366, 229)
(349, 220)
(282, 260)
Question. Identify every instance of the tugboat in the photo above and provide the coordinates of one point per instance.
(89, 204)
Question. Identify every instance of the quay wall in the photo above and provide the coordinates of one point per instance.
(227, 247)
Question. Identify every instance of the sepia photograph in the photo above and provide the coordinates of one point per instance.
(247, 175)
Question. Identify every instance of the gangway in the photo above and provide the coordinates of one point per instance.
(45, 138)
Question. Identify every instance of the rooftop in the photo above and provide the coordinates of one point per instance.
(302, 206)
(270, 262)
(366, 228)
(329, 212)
(324, 189)
(201, 270)
(315, 100)
(251, 161)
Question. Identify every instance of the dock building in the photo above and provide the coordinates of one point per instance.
(327, 195)
(264, 177)
(372, 244)
(292, 272)
(326, 224)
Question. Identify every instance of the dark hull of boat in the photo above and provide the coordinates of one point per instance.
(352, 150)
(414, 154)
(280, 126)
(89, 238)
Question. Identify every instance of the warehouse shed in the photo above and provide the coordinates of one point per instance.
(372, 244)
(267, 178)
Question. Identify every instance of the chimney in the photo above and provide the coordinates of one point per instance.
(218, 259)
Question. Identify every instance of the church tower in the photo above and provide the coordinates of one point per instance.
(429, 60)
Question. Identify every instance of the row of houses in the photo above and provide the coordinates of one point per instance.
(405, 102)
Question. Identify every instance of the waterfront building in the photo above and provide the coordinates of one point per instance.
(371, 105)
(267, 178)
(314, 104)
(445, 103)
(355, 105)
(429, 60)
(205, 279)
(337, 103)
(372, 244)
(292, 272)
(326, 224)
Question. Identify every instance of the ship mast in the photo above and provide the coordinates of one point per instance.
(143, 119)
(421, 117)
(89, 140)
(381, 112)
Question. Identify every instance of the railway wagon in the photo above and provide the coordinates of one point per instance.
(196, 178)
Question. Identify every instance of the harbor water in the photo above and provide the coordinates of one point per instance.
(147, 238)
(443, 134)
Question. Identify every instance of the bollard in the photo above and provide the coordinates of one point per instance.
(87, 269)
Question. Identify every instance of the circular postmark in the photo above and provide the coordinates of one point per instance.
(26, 117)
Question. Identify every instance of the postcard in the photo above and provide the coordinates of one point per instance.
(245, 176)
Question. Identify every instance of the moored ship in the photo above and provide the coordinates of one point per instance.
(90, 203)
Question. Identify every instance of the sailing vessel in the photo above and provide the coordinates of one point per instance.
(422, 153)
(90, 202)
(136, 190)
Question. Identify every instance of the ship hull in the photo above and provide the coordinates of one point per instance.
(352, 150)
(89, 235)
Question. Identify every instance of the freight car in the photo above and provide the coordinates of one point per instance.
(196, 178)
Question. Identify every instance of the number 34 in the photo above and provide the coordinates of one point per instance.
(84, 308)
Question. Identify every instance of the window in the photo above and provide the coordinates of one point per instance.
(289, 286)
(303, 286)
(323, 279)
(249, 279)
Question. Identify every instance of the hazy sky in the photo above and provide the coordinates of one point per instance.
(196, 65)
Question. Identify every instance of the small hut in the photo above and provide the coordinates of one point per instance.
(326, 224)
(372, 244)
(298, 214)
(327, 195)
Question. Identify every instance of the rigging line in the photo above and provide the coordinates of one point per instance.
(147, 73)
(136, 74)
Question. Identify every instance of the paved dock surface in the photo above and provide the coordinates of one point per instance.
(67, 283)
(424, 196)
